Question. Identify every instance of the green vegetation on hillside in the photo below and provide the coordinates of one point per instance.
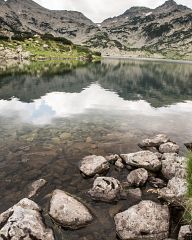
(47, 47)
(188, 207)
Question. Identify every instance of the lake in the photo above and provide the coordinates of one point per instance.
(54, 113)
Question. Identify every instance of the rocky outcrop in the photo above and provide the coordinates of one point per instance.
(173, 166)
(24, 221)
(164, 29)
(137, 177)
(10, 53)
(93, 164)
(147, 220)
(68, 211)
(106, 189)
(142, 159)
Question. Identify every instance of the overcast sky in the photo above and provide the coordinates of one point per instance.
(98, 10)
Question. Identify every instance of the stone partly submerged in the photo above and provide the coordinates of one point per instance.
(147, 220)
(36, 186)
(143, 159)
(155, 141)
(106, 189)
(137, 177)
(188, 146)
(24, 221)
(68, 211)
(93, 164)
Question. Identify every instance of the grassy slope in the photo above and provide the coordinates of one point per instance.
(50, 49)
(188, 210)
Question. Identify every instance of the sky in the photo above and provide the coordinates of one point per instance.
(98, 10)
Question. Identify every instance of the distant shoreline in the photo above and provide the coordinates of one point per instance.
(149, 59)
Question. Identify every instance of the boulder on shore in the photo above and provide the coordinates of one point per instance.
(175, 191)
(137, 177)
(169, 147)
(106, 189)
(156, 141)
(146, 220)
(68, 211)
(24, 221)
(142, 159)
(185, 232)
(173, 166)
(93, 164)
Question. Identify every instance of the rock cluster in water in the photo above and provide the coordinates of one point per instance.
(157, 164)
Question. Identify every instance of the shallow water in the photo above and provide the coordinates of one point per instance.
(53, 114)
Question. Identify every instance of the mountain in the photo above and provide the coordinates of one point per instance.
(139, 31)
(28, 16)
(166, 28)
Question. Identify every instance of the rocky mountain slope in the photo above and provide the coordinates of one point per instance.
(28, 16)
(162, 32)
(167, 28)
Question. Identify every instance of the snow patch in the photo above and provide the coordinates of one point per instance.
(147, 14)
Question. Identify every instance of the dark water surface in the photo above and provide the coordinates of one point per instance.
(53, 114)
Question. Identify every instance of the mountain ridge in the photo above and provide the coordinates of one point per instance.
(164, 29)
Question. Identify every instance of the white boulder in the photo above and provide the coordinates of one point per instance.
(146, 220)
(169, 147)
(24, 221)
(93, 164)
(173, 166)
(106, 189)
(68, 211)
(137, 177)
(143, 159)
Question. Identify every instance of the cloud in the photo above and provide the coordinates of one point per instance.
(98, 10)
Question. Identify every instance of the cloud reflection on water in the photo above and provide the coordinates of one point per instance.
(61, 104)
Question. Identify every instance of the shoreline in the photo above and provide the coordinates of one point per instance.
(149, 59)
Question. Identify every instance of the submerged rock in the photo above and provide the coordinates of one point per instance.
(175, 191)
(146, 220)
(169, 148)
(156, 182)
(93, 164)
(155, 141)
(142, 159)
(112, 158)
(106, 189)
(185, 232)
(24, 221)
(35, 186)
(135, 194)
(68, 211)
(188, 146)
(137, 177)
(173, 166)
(119, 163)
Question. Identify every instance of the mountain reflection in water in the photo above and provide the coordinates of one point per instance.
(59, 105)
(52, 114)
